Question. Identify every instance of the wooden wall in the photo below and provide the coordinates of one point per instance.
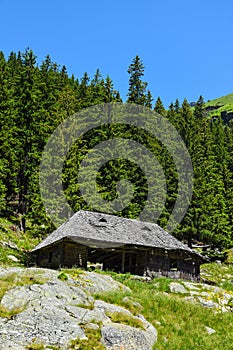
(163, 265)
(75, 255)
(152, 262)
(64, 254)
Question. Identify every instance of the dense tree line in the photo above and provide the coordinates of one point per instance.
(35, 99)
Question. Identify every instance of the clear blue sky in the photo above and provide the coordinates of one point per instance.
(186, 46)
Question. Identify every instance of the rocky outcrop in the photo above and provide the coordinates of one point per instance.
(208, 296)
(53, 311)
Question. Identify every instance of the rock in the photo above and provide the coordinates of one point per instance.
(38, 273)
(205, 294)
(191, 286)
(193, 292)
(119, 336)
(12, 258)
(50, 293)
(190, 299)
(218, 262)
(141, 278)
(106, 307)
(9, 244)
(177, 288)
(45, 314)
(208, 303)
(97, 266)
(91, 325)
(210, 330)
(130, 301)
(54, 312)
(96, 283)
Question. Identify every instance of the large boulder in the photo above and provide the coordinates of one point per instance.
(53, 312)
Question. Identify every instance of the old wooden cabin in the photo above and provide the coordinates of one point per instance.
(121, 245)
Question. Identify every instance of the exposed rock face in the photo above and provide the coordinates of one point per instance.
(54, 312)
(208, 296)
(119, 336)
(177, 288)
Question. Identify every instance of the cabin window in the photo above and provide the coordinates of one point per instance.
(173, 264)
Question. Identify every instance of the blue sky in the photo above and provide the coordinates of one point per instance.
(186, 46)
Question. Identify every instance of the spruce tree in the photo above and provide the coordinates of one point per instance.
(199, 108)
(149, 99)
(159, 107)
(137, 88)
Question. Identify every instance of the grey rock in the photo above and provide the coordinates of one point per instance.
(12, 258)
(95, 283)
(131, 301)
(106, 307)
(53, 312)
(190, 299)
(91, 325)
(177, 288)
(118, 336)
(208, 303)
(51, 293)
(218, 262)
(142, 278)
(191, 286)
(210, 330)
(9, 244)
(193, 292)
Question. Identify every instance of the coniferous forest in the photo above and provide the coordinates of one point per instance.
(36, 98)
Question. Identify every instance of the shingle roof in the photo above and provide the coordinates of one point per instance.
(104, 230)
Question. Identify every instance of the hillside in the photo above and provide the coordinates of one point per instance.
(37, 97)
(14, 244)
(182, 315)
(220, 106)
(72, 309)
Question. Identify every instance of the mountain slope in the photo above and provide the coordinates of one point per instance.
(220, 106)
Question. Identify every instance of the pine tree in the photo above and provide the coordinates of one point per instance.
(137, 88)
(199, 108)
(149, 99)
(177, 106)
(159, 107)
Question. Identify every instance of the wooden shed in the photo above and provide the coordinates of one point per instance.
(121, 245)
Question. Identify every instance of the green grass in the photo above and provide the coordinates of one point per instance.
(23, 241)
(62, 276)
(13, 280)
(229, 256)
(223, 100)
(224, 103)
(180, 324)
(9, 314)
(39, 346)
(221, 275)
(92, 341)
(74, 273)
(35, 346)
(120, 317)
(87, 306)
